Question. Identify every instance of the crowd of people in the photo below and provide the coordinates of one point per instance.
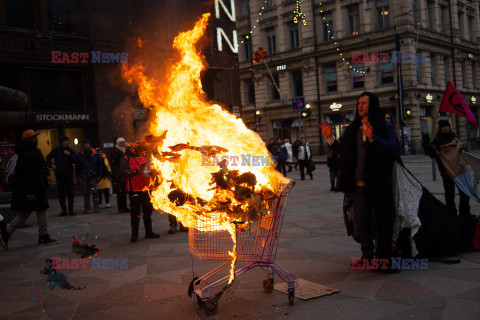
(284, 155)
(125, 173)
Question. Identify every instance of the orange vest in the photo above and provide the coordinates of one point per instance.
(137, 182)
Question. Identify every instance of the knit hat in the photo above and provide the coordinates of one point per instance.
(443, 123)
(119, 140)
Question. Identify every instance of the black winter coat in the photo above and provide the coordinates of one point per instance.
(119, 183)
(89, 165)
(31, 177)
(64, 164)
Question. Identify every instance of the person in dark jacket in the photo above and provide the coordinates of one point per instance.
(333, 164)
(425, 142)
(89, 173)
(28, 189)
(64, 160)
(445, 136)
(304, 157)
(118, 179)
(282, 157)
(367, 151)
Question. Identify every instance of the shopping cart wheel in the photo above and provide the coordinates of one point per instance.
(268, 285)
(210, 307)
(291, 297)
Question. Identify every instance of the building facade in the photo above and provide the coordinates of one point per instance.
(338, 49)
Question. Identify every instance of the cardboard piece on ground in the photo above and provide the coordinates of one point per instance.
(307, 290)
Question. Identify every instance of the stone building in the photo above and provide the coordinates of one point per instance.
(345, 47)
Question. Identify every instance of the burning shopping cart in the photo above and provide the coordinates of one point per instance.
(256, 245)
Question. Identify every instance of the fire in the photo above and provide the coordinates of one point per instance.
(186, 132)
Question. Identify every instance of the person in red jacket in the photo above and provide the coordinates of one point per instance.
(135, 168)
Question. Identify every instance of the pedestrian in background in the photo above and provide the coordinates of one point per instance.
(304, 157)
(118, 179)
(288, 146)
(333, 164)
(89, 173)
(445, 136)
(103, 187)
(295, 147)
(28, 189)
(282, 157)
(138, 184)
(64, 160)
(425, 142)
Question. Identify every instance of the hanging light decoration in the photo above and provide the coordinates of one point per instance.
(298, 15)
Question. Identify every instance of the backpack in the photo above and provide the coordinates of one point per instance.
(9, 178)
(105, 172)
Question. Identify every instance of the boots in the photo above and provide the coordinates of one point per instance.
(4, 236)
(134, 234)
(149, 234)
(45, 240)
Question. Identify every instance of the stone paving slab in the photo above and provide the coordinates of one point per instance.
(313, 245)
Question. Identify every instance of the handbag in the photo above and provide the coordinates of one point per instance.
(311, 166)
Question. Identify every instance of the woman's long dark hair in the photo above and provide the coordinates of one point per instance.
(376, 115)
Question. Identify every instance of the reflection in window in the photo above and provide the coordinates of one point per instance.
(331, 78)
(383, 20)
(294, 37)
(272, 90)
(386, 71)
(327, 23)
(353, 19)
(357, 77)
(271, 43)
(297, 84)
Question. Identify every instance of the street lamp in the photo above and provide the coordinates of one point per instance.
(308, 106)
(429, 98)
(474, 100)
(258, 112)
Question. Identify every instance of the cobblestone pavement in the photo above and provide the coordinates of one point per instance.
(313, 246)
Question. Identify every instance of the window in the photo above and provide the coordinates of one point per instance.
(419, 71)
(247, 47)
(430, 6)
(357, 77)
(272, 90)
(474, 75)
(331, 78)
(54, 90)
(445, 69)
(386, 72)
(294, 38)
(249, 92)
(244, 8)
(353, 19)
(471, 33)
(383, 20)
(20, 14)
(327, 23)
(60, 15)
(433, 75)
(415, 12)
(464, 74)
(271, 44)
(460, 24)
(443, 19)
(297, 83)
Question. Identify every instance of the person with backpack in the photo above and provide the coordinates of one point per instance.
(64, 160)
(89, 173)
(138, 183)
(103, 187)
(29, 183)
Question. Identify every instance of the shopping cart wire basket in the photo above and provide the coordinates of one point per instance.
(257, 244)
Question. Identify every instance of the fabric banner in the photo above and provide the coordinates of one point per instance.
(454, 102)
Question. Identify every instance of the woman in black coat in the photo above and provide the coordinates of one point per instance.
(119, 183)
(28, 188)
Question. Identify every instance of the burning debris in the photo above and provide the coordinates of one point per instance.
(83, 249)
(55, 278)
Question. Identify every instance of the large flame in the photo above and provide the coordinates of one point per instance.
(187, 118)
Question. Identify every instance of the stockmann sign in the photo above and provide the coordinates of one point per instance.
(61, 117)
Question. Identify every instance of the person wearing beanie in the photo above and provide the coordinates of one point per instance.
(118, 179)
(28, 190)
(445, 136)
(64, 159)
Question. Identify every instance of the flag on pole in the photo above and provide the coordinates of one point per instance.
(454, 102)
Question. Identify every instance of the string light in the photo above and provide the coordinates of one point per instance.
(336, 44)
(298, 14)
